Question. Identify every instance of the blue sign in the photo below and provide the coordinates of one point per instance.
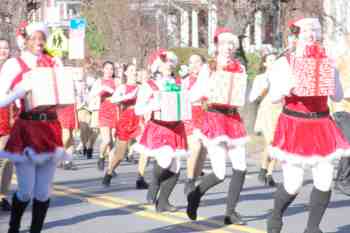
(79, 23)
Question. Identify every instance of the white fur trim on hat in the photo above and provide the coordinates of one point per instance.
(170, 57)
(228, 36)
(308, 22)
(37, 26)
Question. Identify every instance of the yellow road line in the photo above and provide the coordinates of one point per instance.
(107, 202)
(123, 203)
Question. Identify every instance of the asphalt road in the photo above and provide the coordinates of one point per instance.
(81, 205)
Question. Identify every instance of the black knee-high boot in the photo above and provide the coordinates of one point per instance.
(154, 187)
(38, 215)
(282, 200)
(168, 181)
(318, 204)
(18, 208)
(235, 188)
(194, 197)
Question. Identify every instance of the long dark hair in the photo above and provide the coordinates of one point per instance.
(109, 63)
(125, 68)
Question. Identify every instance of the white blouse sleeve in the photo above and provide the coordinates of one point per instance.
(200, 88)
(95, 89)
(8, 73)
(280, 79)
(119, 95)
(145, 103)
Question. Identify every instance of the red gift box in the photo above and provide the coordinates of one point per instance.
(314, 73)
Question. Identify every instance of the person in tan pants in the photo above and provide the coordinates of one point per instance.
(5, 127)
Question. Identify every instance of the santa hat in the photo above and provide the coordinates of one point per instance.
(37, 27)
(223, 33)
(161, 56)
(308, 22)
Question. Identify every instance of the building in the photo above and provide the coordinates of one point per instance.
(57, 13)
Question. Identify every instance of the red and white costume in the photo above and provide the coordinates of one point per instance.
(305, 134)
(42, 138)
(67, 116)
(108, 111)
(165, 141)
(195, 124)
(220, 128)
(300, 140)
(128, 124)
(4, 120)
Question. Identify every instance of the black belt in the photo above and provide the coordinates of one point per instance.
(38, 116)
(225, 111)
(308, 115)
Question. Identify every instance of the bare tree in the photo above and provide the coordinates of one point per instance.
(126, 31)
(11, 14)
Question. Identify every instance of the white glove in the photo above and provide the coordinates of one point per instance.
(19, 91)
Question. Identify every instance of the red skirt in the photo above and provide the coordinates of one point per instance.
(196, 122)
(67, 117)
(219, 127)
(160, 136)
(108, 116)
(41, 136)
(5, 121)
(303, 140)
(128, 126)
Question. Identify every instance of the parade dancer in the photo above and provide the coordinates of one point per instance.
(305, 135)
(93, 106)
(196, 160)
(84, 115)
(222, 132)
(164, 141)
(108, 111)
(35, 142)
(5, 127)
(128, 125)
(266, 119)
(67, 116)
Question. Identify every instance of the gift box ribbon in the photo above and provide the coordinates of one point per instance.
(172, 87)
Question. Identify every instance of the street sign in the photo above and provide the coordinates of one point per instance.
(77, 38)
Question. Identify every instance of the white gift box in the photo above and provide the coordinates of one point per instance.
(227, 88)
(174, 106)
(50, 87)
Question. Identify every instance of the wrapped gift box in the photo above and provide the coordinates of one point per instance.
(50, 87)
(227, 88)
(314, 77)
(174, 106)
